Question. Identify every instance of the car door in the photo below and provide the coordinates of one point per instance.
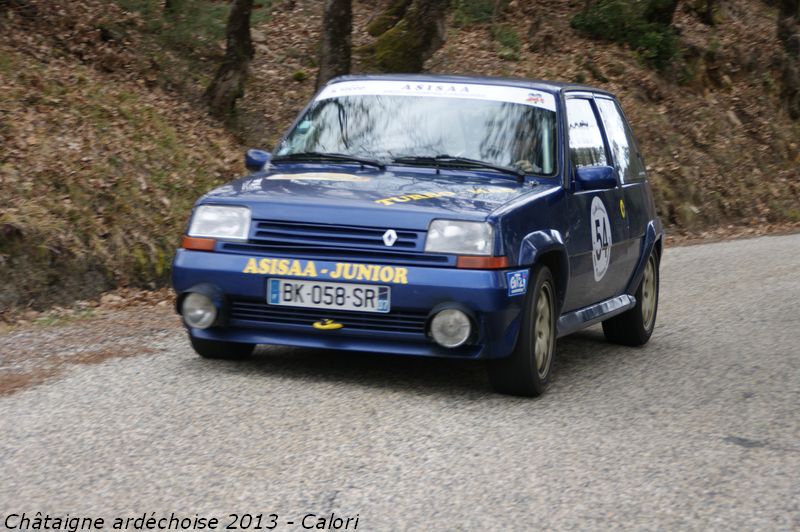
(628, 162)
(598, 231)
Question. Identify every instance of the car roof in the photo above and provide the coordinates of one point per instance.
(537, 84)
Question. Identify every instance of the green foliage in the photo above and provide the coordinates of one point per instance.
(592, 67)
(509, 41)
(506, 37)
(466, 12)
(507, 54)
(194, 25)
(6, 64)
(701, 9)
(784, 210)
(624, 21)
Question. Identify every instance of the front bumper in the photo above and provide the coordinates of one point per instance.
(248, 318)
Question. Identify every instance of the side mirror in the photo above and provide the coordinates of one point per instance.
(256, 160)
(596, 177)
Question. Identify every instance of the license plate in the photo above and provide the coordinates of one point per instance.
(339, 296)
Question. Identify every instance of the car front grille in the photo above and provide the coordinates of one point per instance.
(407, 322)
(300, 235)
(336, 242)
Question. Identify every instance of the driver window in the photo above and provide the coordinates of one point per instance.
(586, 146)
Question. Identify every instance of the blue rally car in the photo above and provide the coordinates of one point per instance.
(442, 216)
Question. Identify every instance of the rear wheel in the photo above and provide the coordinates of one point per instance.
(527, 371)
(221, 350)
(635, 326)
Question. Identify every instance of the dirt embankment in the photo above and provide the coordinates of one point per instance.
(104, 145)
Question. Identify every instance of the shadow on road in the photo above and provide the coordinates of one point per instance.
(583, 356)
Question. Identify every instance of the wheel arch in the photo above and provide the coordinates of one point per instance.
(548, 248)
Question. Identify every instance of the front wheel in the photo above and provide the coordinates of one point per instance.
(221, 350)
(635, 326)
(527, 371)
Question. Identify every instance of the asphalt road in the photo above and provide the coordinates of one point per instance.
(698, 430)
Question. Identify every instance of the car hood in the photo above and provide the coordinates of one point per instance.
(340, 195)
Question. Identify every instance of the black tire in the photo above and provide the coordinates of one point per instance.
(632, 327)
(221, 350)
(521, 373)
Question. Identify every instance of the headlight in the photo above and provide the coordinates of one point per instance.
(451, 328)
(217, 221)
(463, 238)
(198, 311)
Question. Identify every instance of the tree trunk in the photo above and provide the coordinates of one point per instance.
(789, 35)
(334, 57)
(708, 16)
(412, 40)
(789, 8)
(788, 20)
(228, 83)
(660, 11)
(173, 7)
(170, 7)
(24, 8)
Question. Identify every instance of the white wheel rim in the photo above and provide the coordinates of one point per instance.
(649, 291)
(543, 331)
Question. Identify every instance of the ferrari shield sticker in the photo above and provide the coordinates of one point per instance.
(601, 238)
(517, 282)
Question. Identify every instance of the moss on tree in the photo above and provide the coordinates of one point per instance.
(388, 18)
(407, 44)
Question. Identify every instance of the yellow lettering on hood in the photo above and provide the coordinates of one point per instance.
(415, 197)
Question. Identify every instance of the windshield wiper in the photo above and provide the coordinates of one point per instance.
(453, 161)
(320, 156)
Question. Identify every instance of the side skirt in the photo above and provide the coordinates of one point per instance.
(579, 319)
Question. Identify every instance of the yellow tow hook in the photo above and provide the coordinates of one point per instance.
(327, 325)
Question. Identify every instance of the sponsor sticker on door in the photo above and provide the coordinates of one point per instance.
(517, 282)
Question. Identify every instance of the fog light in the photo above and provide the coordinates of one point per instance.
(198, 311)
(451, 328)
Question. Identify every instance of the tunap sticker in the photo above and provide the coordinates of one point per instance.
(601, 238)
(517, 282)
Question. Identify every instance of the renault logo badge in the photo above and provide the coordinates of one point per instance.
(390, 237)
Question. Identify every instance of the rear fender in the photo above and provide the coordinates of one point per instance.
(652, 238)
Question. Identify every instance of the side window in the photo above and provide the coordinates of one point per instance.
(586, 146)
(620, 139)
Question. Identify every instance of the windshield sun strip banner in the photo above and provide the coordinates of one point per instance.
(464, 91)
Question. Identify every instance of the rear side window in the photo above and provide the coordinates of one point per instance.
(620, 140)
(586, 146)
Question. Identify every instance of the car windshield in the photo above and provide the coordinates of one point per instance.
(409, 123)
